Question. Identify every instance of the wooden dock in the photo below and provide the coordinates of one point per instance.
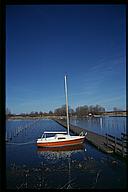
(103, 143)
(119, 145)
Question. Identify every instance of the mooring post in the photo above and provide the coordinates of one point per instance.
(10, 135)
(107, 139)
(122, 146)
(115, 144)
(6, 137)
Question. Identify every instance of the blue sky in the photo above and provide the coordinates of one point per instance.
(45, 42)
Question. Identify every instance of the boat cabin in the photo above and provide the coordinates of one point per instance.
(58, 135)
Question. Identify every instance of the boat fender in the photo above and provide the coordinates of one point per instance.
(82, 133)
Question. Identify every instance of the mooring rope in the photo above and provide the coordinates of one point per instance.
(31, 142)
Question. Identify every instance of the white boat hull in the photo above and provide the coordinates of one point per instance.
(61, 141)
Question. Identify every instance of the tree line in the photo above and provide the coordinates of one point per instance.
(61, 111)
(80, 111)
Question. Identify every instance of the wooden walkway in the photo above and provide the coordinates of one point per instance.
(107, 143)
(97, 140)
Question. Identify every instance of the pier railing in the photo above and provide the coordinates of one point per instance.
(119, 145)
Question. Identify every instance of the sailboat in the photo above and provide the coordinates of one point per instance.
(61, 139)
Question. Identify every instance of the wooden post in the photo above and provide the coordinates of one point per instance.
(107, 139)
(115, 144)
(122, 146)
(10, 135)
(6, 139)
(14, 133)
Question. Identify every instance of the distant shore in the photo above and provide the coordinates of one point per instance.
(109, 114)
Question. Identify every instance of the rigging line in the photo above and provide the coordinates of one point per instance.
(31, 142)
(69, 182)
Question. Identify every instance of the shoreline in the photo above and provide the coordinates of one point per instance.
(63, 117)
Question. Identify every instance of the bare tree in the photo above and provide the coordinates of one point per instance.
(8, 113)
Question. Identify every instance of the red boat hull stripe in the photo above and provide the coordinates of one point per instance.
(61, 143)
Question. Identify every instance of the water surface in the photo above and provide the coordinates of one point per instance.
(33, 168)
(102, 125)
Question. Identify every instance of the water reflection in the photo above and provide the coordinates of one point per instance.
(57, 157)
(57, 149)
(102, 125)
(57, 153)
(101, 122)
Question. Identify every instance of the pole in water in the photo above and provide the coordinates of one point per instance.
(6, 139)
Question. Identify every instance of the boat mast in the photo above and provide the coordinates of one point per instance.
(66, 95)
